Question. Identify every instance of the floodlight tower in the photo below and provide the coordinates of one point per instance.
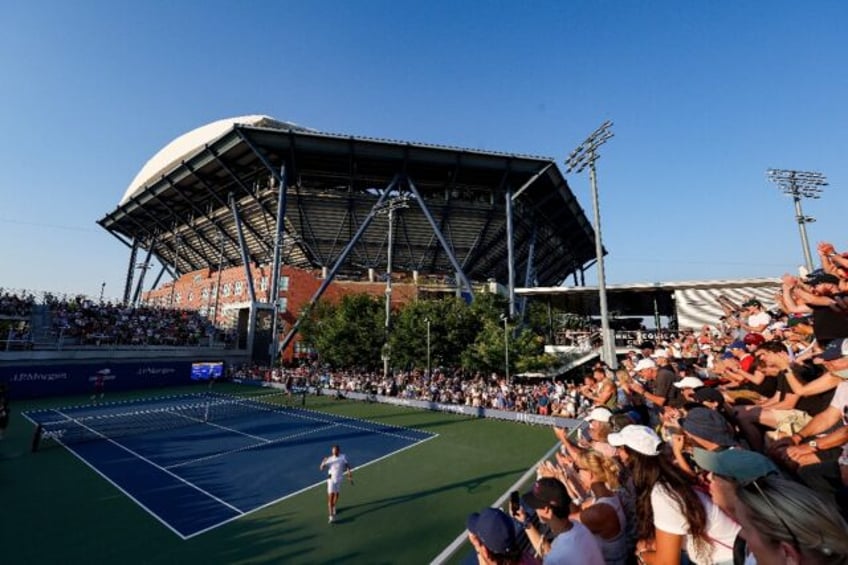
(584, 156)
(800, 184)
(388, 208)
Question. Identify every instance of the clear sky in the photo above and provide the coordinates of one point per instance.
(705, 97)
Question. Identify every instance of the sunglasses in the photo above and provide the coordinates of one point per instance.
(823, 549)
(758, 489)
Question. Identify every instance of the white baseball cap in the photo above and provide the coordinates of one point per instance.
(643, 364)
(660, 352)
(599, 414)
(689, 382)
(638, 438)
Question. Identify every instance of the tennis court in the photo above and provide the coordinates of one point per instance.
(198, 461)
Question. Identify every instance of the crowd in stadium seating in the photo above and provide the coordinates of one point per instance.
(106, 323)
(15, 305)
(730, 446)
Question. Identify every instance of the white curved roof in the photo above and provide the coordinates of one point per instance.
(190, 142)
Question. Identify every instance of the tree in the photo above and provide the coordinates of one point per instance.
(348, 334)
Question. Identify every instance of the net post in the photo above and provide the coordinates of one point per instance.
(36, 437)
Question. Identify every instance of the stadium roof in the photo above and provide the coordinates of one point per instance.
(639, 299)
(179, 203)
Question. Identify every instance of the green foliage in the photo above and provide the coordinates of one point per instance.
(351, 333)
(348, 334)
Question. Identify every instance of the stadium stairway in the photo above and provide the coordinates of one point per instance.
(41, 328)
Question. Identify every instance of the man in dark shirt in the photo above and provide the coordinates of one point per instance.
(661, 379)
(785, 411)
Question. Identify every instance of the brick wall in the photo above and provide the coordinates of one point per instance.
(196, 291)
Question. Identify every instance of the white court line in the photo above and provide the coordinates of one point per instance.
(462, 538)
(148, 461)
(361, 428)
(240, 512)
(304, 489)
(113, 483)
(248, 447)
(260, 438)
(259, 404)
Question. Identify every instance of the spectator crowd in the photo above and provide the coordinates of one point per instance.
(95, 323)
(727, 445)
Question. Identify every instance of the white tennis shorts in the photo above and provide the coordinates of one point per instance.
(333, 485)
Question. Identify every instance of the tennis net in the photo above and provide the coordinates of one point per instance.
(110, 422)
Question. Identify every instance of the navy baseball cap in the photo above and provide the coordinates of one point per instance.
(836, 349)
(494, 529)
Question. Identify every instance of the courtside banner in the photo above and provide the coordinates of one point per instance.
(33, 381)
(476, 412)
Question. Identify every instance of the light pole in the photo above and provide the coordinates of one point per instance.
(428, 347)
(389, 207)
(800, 184)
(505, 319)
(585, 155)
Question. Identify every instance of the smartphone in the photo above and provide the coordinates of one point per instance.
(514, 502)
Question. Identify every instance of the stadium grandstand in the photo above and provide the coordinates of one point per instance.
(459, 220)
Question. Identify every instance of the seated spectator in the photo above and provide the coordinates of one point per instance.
(493, 535)
(672, 516)
(599, 428)
(708, 429)
(784, 522)
(815, 449)
(573, 543)
(660, 381)
(727, 471)
(594, 485)
(786, 412)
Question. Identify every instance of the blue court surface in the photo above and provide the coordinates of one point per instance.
(219, 457)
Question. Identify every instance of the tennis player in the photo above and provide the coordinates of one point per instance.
(99, 384)
(336, 465)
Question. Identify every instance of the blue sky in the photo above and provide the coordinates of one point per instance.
(705, 97)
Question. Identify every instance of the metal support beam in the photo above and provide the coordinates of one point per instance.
(218, 279)
(245, 256)
(337, 265)
(130, 272)
(143, 268)
(218, 199)
(533, 179)
(528, 274)
(189, 225)
(276, 266)
(158, 277)
(448, 251)
(251, 318)
(198, 210)
(176, 273)
(510, 254)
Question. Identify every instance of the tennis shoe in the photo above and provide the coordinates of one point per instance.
(330, 519)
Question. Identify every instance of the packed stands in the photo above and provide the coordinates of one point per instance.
(723, 445)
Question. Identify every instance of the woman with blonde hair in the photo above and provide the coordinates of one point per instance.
(600, 509)
(786, 522)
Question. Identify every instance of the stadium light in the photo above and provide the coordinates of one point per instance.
(800, 184)
(505, 319)
(427, 320)
(388, 208)
(584, 156)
